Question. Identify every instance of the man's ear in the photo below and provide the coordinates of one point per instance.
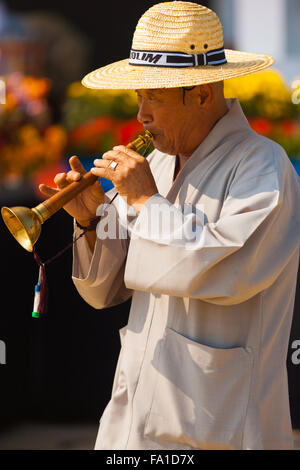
(205, 94)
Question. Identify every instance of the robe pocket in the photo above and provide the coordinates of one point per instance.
(201, 394)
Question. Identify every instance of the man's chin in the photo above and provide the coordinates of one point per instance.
(158, 145)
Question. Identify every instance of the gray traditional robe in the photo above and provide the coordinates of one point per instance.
(203, 357)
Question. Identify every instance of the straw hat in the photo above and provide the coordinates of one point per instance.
(176, 44)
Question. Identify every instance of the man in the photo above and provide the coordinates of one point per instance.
(212, 261)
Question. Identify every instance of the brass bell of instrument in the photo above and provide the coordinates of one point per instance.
(24, 224)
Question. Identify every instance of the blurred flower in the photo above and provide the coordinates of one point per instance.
(10, 102)
(75, 90)
(289, 127)
(97, 120)
(286, 133)
(128, 131)
(90, 128)
(267, 102)
(83, 104)
(261, 125)
(27, 134)
(35, 88)
(36, 107)
(55, 136)
(29, 140)
(262, 94)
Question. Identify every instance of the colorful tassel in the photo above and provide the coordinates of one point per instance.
(41, 289)
(37, 296)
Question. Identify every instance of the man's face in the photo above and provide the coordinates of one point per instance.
(163, 113)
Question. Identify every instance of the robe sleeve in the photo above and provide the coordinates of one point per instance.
(99, 276)
(228, 261)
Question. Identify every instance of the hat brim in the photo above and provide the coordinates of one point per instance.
(121, 75)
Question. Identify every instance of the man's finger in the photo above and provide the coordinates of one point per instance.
(61, 180)
(73, 176)
(111, 155)
(121, 154)
(102, 171)
(105, 170)
(105, 164)
(76, 165)
(128, 151)
(47, 190)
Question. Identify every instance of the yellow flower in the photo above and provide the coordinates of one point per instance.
(75, 90)
(265, 91)
(268, 83)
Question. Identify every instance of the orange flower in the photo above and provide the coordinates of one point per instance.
(11, 102)
(55, 136)
(89, 129)
(288, 127)
(36, 87)
(32, 152)
(28, 133)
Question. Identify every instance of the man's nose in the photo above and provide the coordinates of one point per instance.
(144, 115)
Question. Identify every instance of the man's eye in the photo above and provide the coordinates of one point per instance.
(149, 99)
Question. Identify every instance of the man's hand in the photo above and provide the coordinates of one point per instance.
(84, 206)
(132, 177)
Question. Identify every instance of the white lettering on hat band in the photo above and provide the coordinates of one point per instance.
(176, 59)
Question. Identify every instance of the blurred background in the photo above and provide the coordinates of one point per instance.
(57, 371)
